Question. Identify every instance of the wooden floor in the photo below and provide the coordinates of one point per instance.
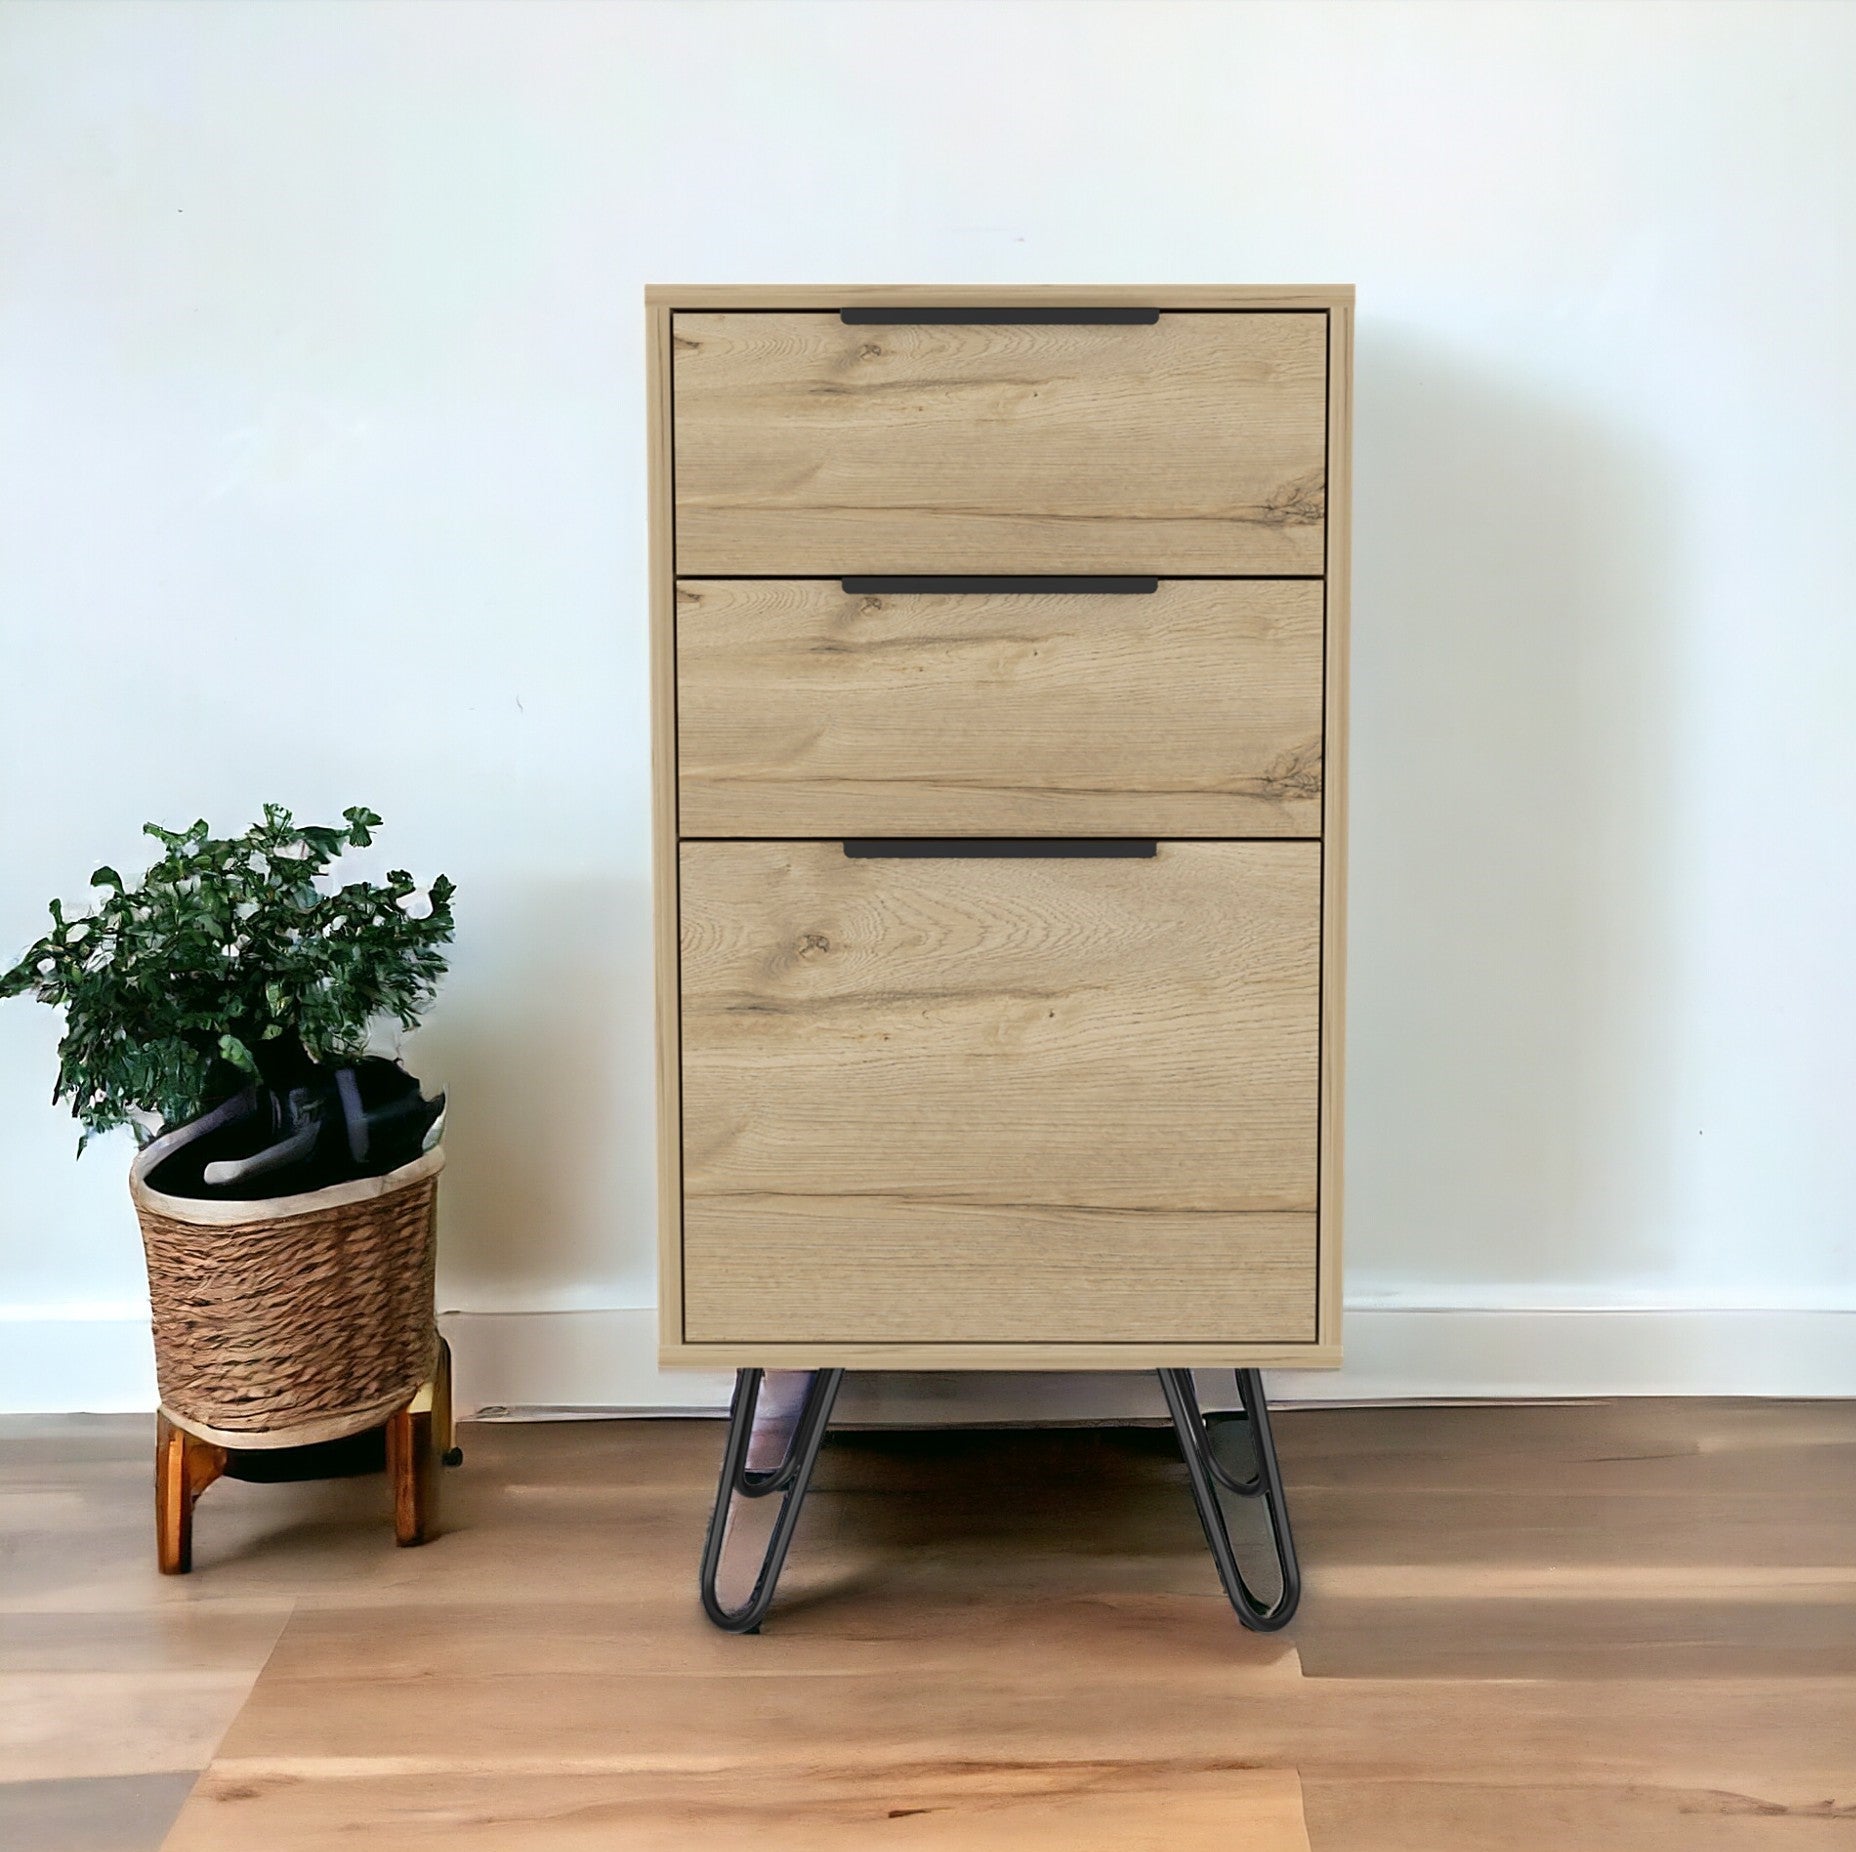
(1531, 1629)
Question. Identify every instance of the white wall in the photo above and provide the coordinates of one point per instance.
(320, 360)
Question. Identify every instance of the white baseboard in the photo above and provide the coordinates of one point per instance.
(530, 1364)
(54, 1360)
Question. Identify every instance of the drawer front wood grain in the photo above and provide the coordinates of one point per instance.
(1078, 1096)
(808, 446)
(805, 710)
(769, 1270)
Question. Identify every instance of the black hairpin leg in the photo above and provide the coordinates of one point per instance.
(1207, 1473)
(790, 1478)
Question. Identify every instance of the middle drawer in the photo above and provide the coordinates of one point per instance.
(807, 710)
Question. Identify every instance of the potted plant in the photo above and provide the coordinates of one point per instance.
(286, 1181)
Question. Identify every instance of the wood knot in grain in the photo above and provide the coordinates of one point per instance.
(1296, 774)
(1300, 503)
(812, 945)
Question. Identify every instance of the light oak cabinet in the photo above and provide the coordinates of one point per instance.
(999, 679)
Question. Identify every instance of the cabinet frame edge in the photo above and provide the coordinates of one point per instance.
(667, 924)
(827, 297)
(1330, 1225)
(1263, 1355)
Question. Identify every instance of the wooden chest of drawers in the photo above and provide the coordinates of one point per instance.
(999, 650)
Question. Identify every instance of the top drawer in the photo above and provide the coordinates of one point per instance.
(808, 446)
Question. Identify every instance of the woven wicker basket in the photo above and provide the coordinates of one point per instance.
(300, 1319)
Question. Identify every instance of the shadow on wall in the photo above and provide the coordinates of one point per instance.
(1512, 1022)
(545, 1045)
(1511, 987)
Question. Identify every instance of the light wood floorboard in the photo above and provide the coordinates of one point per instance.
(90, 1813)
(1526, 1629)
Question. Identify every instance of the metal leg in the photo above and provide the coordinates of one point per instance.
(1207, 1473)
(1212, 1425)
(752, 1483)
(790, 1478)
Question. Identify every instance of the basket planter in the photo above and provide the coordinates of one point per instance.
(299, 1319)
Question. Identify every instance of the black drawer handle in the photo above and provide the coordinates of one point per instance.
(957, 582)
(999, 848)
(1046, 318)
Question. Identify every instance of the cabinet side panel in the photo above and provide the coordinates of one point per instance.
(1334, 819)
(662, 568)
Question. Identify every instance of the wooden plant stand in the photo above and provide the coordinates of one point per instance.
(420, 1437)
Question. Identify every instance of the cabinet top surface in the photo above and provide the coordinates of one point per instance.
(831, 296)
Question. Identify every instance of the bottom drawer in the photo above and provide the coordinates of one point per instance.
(985, 1100)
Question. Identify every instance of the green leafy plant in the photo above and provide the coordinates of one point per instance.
(229, 960)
